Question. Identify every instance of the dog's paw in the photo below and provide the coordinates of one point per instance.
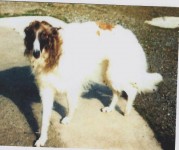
(127, 112)
(65, 120)
(106, 109)
(40, 142)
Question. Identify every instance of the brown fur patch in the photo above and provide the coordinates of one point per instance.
(105, 26)
(54, 52)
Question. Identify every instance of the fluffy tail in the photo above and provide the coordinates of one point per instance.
(148, 82)
(165, 22)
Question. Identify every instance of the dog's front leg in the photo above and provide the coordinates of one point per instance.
(47, 97)
(72, 100)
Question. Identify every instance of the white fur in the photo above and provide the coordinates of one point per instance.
(84, 51)
(36, 46)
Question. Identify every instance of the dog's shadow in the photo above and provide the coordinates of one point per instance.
(103, 94)
(17, 84)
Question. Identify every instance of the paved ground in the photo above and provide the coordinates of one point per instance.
(20, 103)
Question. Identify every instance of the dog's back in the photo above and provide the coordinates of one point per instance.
(87, 45)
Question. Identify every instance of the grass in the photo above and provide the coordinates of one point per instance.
(35, 12)
(5, 15)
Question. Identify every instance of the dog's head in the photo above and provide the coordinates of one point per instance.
(42, 40)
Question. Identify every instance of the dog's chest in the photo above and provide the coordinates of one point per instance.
(52, 80)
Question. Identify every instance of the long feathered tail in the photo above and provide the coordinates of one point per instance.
(149, 82)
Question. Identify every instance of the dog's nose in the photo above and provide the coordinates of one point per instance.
(36, 54)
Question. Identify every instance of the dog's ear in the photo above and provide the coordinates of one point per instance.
(32, 25)
(54, 30)
(26, 30)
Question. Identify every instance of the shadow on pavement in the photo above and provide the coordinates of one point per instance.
(103, 94)
(18, 85)
(60, 109)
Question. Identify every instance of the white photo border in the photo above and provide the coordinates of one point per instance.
(161, 3)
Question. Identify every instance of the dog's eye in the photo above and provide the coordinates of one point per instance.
(54, 31)
(44, 35)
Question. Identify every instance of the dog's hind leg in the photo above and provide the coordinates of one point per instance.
(131, 93)
(47, 97)
(112, 76)
(112, 104)
(107, 75)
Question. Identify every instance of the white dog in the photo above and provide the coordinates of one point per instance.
(63, 59)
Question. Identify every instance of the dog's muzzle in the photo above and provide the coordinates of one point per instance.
(36, 54)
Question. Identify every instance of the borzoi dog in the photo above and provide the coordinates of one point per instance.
(63, 59)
